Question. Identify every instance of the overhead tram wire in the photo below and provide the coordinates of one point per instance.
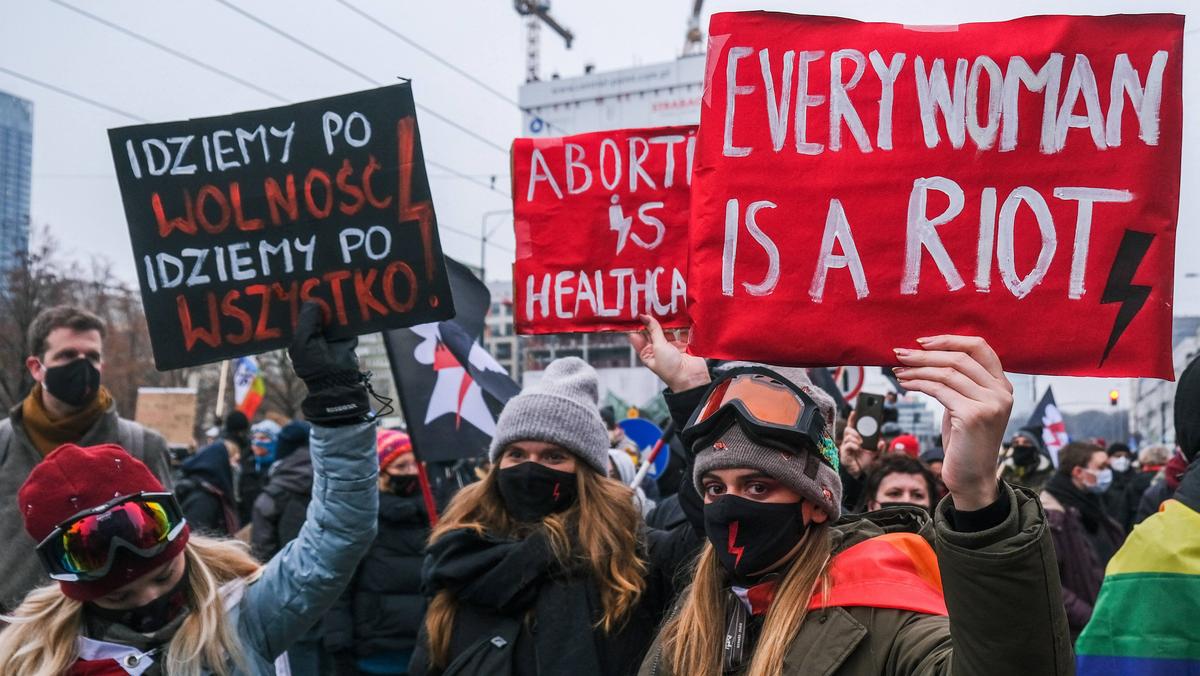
(433, 55)
(170, 50)
(70, 94)
(475, 237)
(137, 118)
(232, 78)
(358, 73)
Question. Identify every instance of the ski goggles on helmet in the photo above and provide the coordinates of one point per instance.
(83, 547)
(771, 410)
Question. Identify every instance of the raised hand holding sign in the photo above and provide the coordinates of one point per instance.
(236, 221)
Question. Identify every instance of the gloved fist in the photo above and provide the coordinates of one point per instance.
(337, 393)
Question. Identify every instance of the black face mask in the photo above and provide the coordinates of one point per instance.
(532, 491)
(148, 618)
(751, 536)
(75, 383)
(1023, 454)
(405, 484)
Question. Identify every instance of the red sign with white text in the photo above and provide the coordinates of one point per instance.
(859, 185)
(601, 222)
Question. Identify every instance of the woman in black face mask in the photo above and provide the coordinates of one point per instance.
(544, 567)
(784, 587)
(373, 629)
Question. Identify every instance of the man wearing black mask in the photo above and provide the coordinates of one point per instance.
(1026, 463)
(68, 404)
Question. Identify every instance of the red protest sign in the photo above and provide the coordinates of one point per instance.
(601, 223)
(859, 185)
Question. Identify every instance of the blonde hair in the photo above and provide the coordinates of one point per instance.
(605, 524)
(691, 641)
(41, 637)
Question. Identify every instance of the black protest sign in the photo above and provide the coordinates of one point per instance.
(236, 220)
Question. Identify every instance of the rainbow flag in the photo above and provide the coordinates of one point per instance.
(1147, 619)
(249, 388)
(254, 397)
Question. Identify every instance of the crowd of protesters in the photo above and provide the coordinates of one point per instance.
(776, 541)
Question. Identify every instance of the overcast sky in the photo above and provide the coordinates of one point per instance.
(74, 188)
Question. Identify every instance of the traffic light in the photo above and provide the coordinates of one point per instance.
(1113, 395)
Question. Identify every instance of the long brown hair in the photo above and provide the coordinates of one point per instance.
(605, 524)
(41, 637)
(691, 641)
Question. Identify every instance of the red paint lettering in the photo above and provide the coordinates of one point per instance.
(207, 193)
(263, 331)
(235, 199)
(229, 309)
(210, 336)
(335, 279)
(389, 286)
(366, 299)
(372, 165)
(185, 223)
(422, 212)
(275, 199)
(289, 296)
(315, 175)
(306, 294)
(343, 183)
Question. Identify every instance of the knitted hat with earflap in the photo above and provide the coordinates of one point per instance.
(562, 409)
(73, 479)
(812, 473)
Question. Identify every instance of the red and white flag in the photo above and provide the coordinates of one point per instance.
(1054, 429)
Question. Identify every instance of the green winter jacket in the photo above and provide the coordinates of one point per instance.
(1002, 592)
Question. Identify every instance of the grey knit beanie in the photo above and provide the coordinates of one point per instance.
(563, 409)
(813, 475)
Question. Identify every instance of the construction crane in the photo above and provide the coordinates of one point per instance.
(537, 12)
(694, 40)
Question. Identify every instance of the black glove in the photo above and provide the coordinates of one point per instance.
(337, 391)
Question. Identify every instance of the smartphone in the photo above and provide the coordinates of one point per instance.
(868, 418)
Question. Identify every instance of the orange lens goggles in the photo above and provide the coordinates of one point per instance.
(765, 399)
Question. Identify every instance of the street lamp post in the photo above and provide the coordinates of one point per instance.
(484, 233)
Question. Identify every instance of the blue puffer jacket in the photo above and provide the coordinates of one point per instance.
(301, 582)
(304, 579)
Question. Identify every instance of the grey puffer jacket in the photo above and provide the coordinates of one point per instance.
(301, 582)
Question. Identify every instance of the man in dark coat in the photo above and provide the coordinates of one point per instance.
(205, 491)
(1085, 536)
(1026, 462)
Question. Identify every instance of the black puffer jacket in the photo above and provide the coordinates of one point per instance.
(279, 510)
(382, 610)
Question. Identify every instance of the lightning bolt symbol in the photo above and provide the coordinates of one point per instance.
(733, 549)
(619, 223)
(555, 492)
(1120, 287)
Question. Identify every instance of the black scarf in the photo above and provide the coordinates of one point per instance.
(1104, 534)
(1091, 509)
(513, 577)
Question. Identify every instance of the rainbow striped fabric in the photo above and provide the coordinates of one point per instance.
(1147, 619)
